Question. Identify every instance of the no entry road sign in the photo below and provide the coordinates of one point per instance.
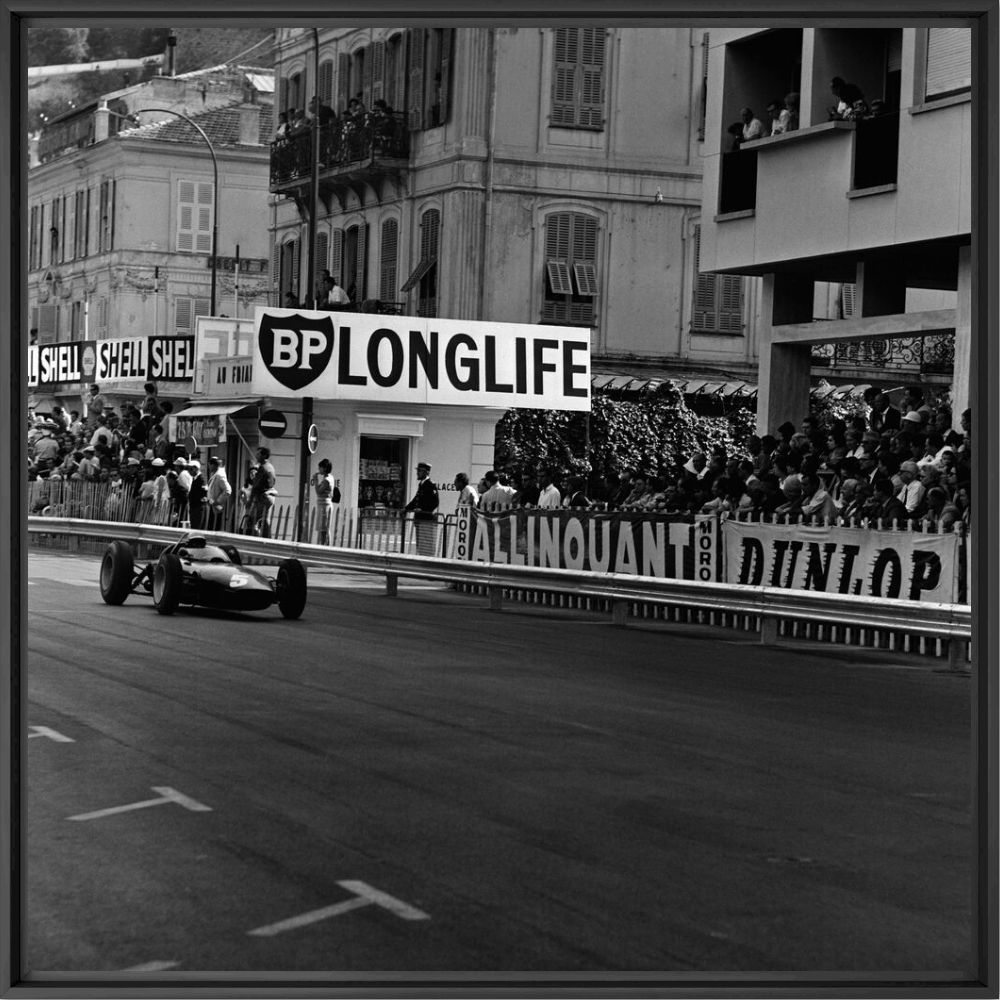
(272, 423)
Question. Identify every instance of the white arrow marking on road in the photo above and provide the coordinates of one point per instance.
(166, 795)
(365, 895)
(152, 967)
(50, 734)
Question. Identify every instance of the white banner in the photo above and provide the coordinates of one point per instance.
(407, 359)
(904, 564)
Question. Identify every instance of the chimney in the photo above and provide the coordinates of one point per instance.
(249, 124)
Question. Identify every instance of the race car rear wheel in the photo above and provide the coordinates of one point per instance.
(291, 588)
(117, 568)
(167, 577)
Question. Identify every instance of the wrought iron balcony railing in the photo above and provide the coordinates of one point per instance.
(932, 355)
(344, 146)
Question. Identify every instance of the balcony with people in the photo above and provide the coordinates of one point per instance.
(356, 146)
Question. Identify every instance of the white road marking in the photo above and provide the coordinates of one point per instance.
(50, 734)
(365, 895)
(152, 967)
(166, 795)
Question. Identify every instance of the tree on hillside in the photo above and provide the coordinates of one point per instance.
(56, 46)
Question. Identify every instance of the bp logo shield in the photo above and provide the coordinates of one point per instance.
(295, 349)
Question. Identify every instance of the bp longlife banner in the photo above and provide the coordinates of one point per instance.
(135, 359)
(657, 545)
(408, 359)
(904, 564)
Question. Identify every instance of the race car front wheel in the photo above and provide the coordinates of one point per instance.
(167, 578)
(117, 568)
(291, 588)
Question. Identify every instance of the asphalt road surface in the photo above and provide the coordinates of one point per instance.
(418, 783)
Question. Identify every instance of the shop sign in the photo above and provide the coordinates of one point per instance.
(131, 360)
(207, 431)
(420, 360)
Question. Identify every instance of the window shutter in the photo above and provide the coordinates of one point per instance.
(337, 255)
(703, 314)
(296, 265)
(71, 229)
(558, 271)
(282, 94)
(430, 227)
(366, 78)
(185, 215)
(203, 237)
(557, 230)
(62, 230)
(275, 263)
(704, 87)
(388, 260)
(326, 82)
(586, 278)
(949, 61)
(343, 80)
(847, 300)
(564, 76)
(361, 264)
(86, 227)
(415, 64)
(32, 239)
(182, 315)
(730, 303)
(584, 246)
(322, 257)
(111, 212)
(591, 99)
(202, 307)
(376, 60)
(398, 43)
(447, 47)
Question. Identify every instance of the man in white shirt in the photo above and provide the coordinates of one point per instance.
(335, 295)
(752, 127)
(549, 497)
(497, 496)
(912, 491)
(467, 495)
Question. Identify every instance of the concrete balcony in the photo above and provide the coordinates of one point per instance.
(351, 158)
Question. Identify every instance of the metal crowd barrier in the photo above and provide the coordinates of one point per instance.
(770, 607)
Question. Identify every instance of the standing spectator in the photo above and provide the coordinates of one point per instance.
(846, 94)
(549, 498)
(75, 423)
(219, 491)
(423, 505)
(496, 496)
(753, 128)
(884, 416)
(327, 495)
(197, 495)
(788, 120)
(95, 406)
(336, 297)
(179, 487)
(263, 493)
(467, 495)
(774, 109)
(577, 493)
(151, 404)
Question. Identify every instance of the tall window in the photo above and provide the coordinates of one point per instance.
(186, 310)
(578, 78)
(82, 228)
(34, 252)
(322, 261)
(106, 220)
(76, 321)
(388, 258)
(394, 88)
(194, 217)
(429, 62)
(718, 298)
(949, 62)
(424, 276)
(570, 268)
(326, 82)
(288, 271)
(356, 262)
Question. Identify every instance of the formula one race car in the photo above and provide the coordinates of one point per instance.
(190, 571)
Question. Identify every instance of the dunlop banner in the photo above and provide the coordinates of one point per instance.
(904, 564)
(664, 546)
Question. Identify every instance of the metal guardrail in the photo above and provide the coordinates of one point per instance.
(951, 623)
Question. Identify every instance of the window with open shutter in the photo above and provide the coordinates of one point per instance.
(322, 258)
(949, 61)
(33, 239)
(378, 72)
(337, 256)
(326, 82)
(343, 81)
(361, 265)
(395, 72)
(367, 70)
(718, 298)
(570, 255)
(388, 260)
(578, 78)
(416, 40)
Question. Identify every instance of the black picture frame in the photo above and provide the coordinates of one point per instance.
(982, 15)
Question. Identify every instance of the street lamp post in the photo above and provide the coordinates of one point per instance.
(215, 183)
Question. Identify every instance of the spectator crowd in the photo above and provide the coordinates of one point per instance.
(897, 466)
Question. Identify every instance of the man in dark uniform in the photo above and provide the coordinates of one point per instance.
(423, 505)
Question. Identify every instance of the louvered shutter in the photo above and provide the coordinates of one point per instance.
(564, 76)
(367, 72)
(704, 87)
(86, 230)
(415, 64)
(847, 291)
(557, 252)
(343, 80)
(182, 315)
(32, 239)
(111, 212)
(558, 271)
(376, 59)
(949, 61)
(430, 227)
(282, 94)
(730, 303)
(388, 258)
(71, 229)
(337, 255)
(591, 97)
(275, 263)
(398, 98)
(586, 278)
(203, 236)
(446, 55)
(703, 315)
(326, 82)
(296, 272)
(202, 307)
(322, 256)
(62, 230)
(185, 215)
(361, 264)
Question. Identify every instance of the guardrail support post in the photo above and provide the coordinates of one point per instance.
(956, 656)
(391, 584)
(619, 612)
(496, 598)
(768, 630)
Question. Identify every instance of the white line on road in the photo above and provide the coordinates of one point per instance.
(166, 795)
(152, 967)
(50, 734)
(365, 895)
